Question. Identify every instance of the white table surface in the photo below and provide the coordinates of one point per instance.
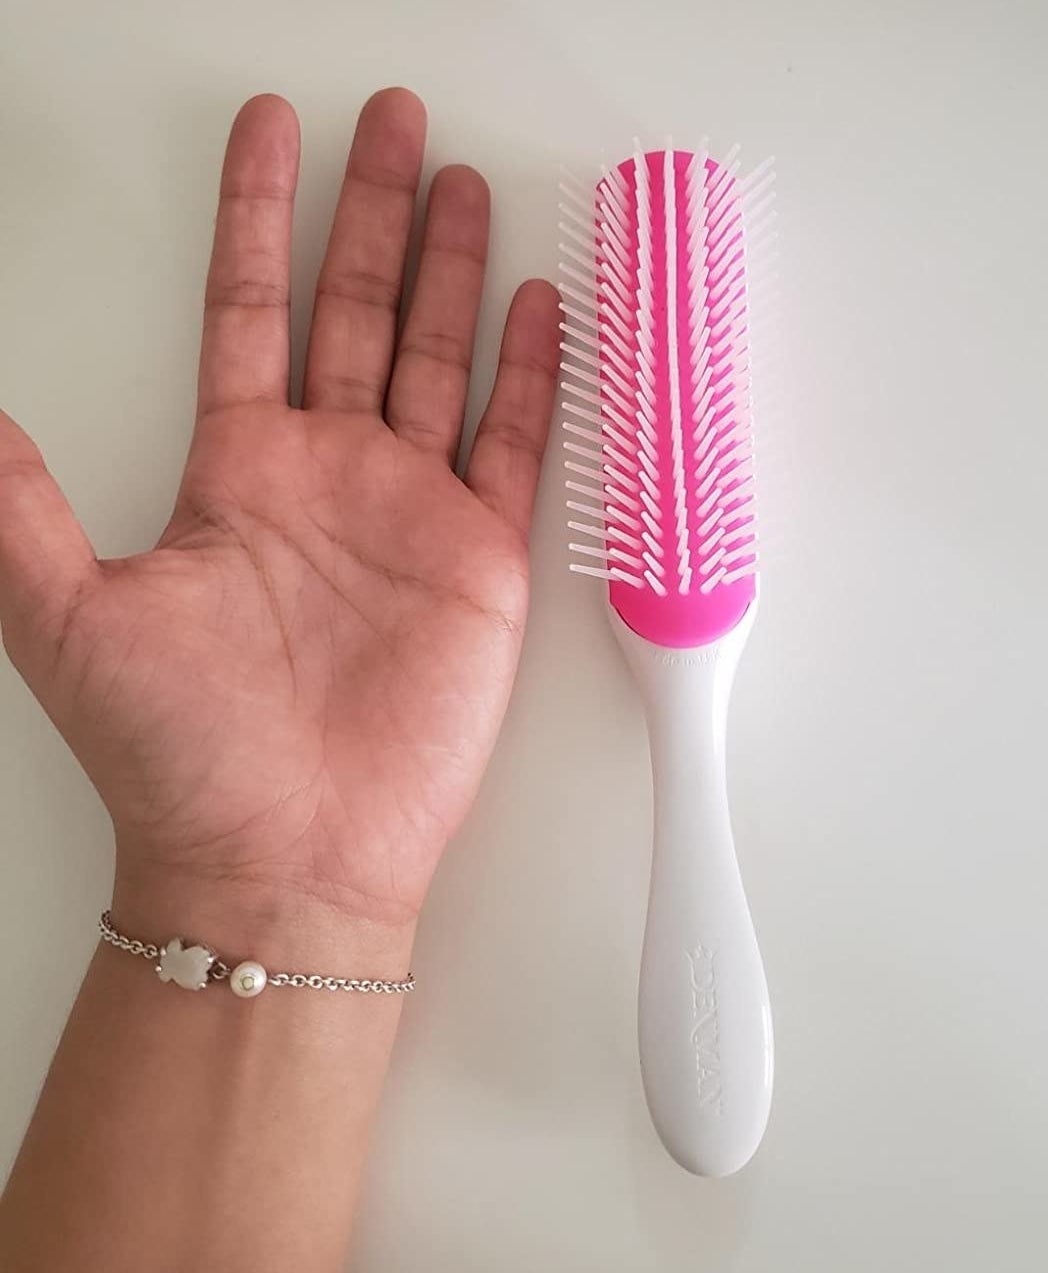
(886, 739)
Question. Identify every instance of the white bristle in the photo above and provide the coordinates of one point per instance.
(611, 557)
(579, 257)
(614, 245)
(759, 178)
(615, 377)
(618, 294)
(578, 276)
(613, 327)
(579, 315)
(757, 210)
(583, 376)
(584, 338)
(582, 263)
(583, 395)
(616, 360)
(585, 451)
(614, 190)
(608, 535)
(615, 573)
(573, 187)
(582, 225)
(590, 416)
(582, 295)
(582, 356)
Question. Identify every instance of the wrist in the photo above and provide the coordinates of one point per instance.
(280, 926)
(159, 1098)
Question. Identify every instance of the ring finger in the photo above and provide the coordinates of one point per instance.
(427, 394)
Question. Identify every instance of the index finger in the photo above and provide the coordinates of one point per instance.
(504, 466)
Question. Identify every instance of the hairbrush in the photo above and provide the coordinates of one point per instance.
(657, 264)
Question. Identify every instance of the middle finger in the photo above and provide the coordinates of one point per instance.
(358, 291)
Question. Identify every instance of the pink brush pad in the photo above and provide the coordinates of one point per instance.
(687, 505)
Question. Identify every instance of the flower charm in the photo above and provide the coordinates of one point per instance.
(186, 966)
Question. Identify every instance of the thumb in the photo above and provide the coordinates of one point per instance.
(45, 557)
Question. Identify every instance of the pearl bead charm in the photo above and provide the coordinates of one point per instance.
(248, 979)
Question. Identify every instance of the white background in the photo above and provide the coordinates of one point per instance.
(887, 762)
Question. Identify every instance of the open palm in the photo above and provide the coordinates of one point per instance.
(301, 684)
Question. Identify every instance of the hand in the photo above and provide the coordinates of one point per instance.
(297, 690)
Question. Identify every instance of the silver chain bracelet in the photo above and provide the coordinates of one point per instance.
(193, 967)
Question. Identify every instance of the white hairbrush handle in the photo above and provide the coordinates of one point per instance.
(704, 1017)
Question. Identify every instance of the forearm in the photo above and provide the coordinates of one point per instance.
(198, 1129)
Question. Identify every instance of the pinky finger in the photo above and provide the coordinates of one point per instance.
(504, 465)
(45, 556)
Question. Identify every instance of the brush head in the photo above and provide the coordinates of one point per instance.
(657, 369)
